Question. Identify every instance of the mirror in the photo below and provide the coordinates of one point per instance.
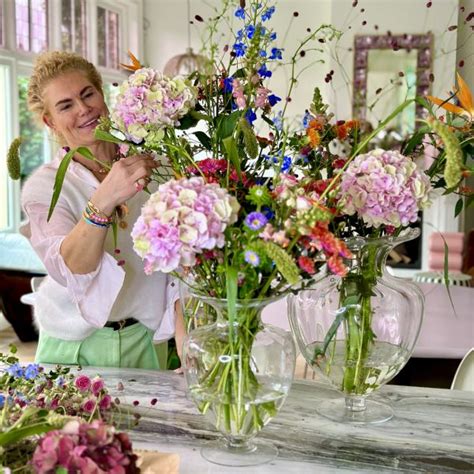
(389, 69)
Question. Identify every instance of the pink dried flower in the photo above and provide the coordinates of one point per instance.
(106, 402)
(97, 386)
(83, 383)
(88, 448)
(89, 406)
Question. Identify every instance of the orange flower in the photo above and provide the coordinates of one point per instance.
(314, 138)
(135, 63)
(315, 124)
(465, 99)
(352, 124)
(341, 131)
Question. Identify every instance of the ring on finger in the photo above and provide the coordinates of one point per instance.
(140, 183)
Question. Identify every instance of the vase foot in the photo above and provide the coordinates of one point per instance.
(257, 452)
(336, 410)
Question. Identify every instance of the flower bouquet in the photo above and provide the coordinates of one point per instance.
(244, 215)
(53, 420)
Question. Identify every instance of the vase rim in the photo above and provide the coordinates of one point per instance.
(240, 302)
(406, 234)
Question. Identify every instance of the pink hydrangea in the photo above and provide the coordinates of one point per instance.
(148, 102)
(384, 188)
(87, 448)
(180, 220)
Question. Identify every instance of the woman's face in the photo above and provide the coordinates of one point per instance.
(73, 107)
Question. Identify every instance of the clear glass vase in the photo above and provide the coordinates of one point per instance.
(238, 373)
(358, 331)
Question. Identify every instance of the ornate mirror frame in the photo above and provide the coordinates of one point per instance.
(362, 46)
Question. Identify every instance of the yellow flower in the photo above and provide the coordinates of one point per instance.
(464, 96)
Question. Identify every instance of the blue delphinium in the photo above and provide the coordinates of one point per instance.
(239, 49)
(240, 13)
(286, 165)
(278, 121)
(267, 14)
(251, 116)
(264, 72)
(276, 53)
(228, 84)
(273, 99)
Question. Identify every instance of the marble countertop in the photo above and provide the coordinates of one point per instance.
(432, 430)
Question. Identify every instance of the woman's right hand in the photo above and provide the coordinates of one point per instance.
(126, 178)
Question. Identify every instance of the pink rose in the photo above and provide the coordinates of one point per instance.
(83, 383)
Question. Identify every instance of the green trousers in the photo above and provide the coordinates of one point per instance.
(131, 347)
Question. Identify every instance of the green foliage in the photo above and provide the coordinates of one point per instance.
(13, 159)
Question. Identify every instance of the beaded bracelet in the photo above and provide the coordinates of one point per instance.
(94, 216)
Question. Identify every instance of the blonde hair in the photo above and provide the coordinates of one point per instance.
(51, 65)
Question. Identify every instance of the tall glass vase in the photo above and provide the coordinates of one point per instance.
(358, 331)
(238, 374)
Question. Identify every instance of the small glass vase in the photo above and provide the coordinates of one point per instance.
(358, 331)
(238, 374)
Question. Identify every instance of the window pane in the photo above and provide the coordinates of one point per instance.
(80, 27)
(101, 36)
(1, 23)
(39, 26)
(112, 40)
(66, 25)
(22, 25)
(4, 119)
(34, 147)
(108, 38)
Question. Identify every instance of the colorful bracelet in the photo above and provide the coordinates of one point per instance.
(94, 216)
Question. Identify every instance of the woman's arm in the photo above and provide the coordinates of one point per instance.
(83, 247)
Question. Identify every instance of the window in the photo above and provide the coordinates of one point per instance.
(5, 183)
(108, 38)
(74, 26)
(35, 145)
(31, 25)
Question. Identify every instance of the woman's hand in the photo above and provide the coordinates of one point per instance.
(126, 178)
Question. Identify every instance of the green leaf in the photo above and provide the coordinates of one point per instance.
(107, 137)
(59, 179)
(458, 207)
(13, 159)
(227, 124)
(232, 154)
(469, 200)
(341, 314)
(204, 140)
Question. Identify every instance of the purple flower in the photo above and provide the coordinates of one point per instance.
(255, 220)
(252, 258)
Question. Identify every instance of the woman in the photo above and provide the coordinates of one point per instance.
(96, 306)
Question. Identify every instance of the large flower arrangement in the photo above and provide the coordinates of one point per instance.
(255, 208)
(250, 214)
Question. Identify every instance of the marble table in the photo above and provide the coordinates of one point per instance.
(432, 430)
